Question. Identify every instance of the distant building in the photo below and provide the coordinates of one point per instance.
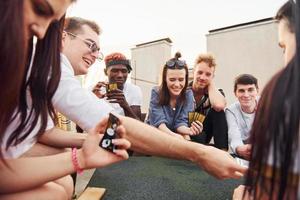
(245, 48)
(147, 60)
(250, 47)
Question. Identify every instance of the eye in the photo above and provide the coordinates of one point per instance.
(42, 8)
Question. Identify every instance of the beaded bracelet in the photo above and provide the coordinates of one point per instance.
(78, 169)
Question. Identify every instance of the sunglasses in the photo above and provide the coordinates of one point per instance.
(175, 64)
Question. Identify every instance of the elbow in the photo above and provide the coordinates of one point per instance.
(219, 107)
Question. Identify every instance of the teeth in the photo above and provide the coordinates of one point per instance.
(87, 61)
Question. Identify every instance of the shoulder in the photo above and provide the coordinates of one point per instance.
(189, 93)
(132, 89)
(131, 86)
(234, 107)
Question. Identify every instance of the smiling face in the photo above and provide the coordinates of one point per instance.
(203, 75)
(38, 15)
(286, 40)
(175, 79)
(246, 95)
(76, 49)
(117, 74)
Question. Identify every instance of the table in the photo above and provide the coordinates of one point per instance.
(143, 178)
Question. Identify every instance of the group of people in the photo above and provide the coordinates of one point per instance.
(34, 159)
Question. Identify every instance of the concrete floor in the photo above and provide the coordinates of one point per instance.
(82, 181)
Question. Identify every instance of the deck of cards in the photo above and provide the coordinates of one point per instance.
(195, 116)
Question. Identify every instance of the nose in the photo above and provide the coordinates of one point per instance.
(95, 55)
(246, 93)
(40, 29)
(177, 83)
(119, 73)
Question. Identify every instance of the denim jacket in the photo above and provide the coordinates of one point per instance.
(165, 114)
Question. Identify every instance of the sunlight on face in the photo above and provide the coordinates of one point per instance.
(38, 15)
(286, 40)
(175, 81)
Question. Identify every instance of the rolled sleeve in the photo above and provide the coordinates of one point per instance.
(156, 112)
(234, 133)
(78, 104)
(188, 106)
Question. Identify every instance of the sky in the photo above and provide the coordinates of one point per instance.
(126, 23)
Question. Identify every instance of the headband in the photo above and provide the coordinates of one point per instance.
(119, 62)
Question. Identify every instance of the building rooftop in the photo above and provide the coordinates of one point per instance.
(242, 24)
(163, 39)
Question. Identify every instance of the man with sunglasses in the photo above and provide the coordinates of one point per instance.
(210, 102)
(126, 99)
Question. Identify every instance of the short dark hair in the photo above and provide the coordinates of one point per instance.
(245, 79)
(74, 25)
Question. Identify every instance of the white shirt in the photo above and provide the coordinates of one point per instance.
(239, 125)
(78, 104)
(16, 151)
(133, 96)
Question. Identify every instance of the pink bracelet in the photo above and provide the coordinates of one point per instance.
(77, 168)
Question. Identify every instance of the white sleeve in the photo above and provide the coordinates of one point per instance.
(78, 104)
(234, 133)
(135, 97)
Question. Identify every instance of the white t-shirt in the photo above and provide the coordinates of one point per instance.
(78, 104)
(17, 150)
(239, 125)
(133, 96)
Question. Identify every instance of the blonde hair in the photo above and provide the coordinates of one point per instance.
(207, 58)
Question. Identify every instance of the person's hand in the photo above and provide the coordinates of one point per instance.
(92, 155)
(239, 192)
(99, 89)
(117, 96)
(196, 128)
(220, 164)
(244, 151)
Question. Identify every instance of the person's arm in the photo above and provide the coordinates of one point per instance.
(78, 104)
(217, 100)
(181, 122)
(151, 141)
(25, 173)
(117, 96)
(56, 137)
(163, 127)
(194, 129)
(234, 133)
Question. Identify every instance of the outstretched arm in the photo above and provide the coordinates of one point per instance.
(150, 140)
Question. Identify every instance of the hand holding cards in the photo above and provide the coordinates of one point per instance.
(195, 116)
(111, 86)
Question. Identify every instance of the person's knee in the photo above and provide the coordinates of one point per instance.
(57, 191)
(67, 184)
